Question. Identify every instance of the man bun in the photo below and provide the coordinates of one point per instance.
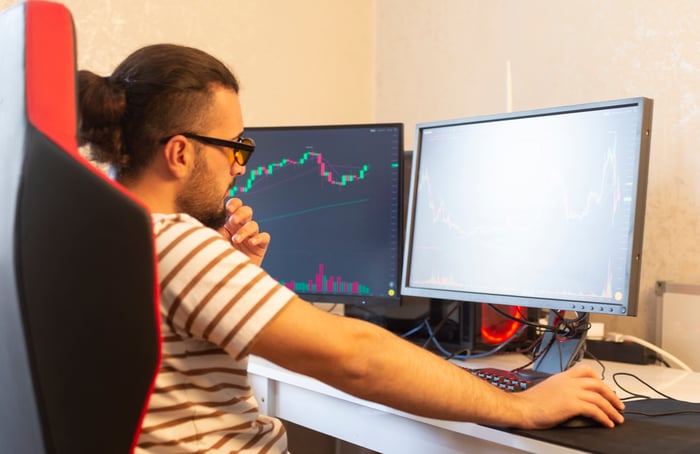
(102, 107)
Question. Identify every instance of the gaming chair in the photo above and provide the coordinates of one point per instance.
(79, 336)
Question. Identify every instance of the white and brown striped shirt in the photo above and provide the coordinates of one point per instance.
(214, 302)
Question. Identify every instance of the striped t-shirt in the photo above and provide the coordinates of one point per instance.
(214, 302)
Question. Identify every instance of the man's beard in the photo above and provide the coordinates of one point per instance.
(213, 220)
(196, 199)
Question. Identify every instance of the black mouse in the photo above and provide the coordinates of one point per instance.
(580, 421)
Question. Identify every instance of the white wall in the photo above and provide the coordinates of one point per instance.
(336, 61)
(447, 59)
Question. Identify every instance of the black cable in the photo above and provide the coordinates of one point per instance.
(532, 346)
(496, 349)
(432, 332)
(569, 327)
(644, 413)
(627, 374)
(522, 320)
(600, 363)
(660, 359)
(465, 351)
(663, 413)
(538, 354)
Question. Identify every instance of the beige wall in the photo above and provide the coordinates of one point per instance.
(336, 61)
(447, 59)
(294, 58)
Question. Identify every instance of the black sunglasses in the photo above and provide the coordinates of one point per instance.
(238, 151)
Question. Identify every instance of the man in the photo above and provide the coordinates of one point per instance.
(169, 122)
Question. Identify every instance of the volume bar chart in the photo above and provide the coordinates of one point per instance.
(327, 284)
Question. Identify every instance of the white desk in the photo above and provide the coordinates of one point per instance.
(310, 403)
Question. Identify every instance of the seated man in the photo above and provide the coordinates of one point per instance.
(168, 121)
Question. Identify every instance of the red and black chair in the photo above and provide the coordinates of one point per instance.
(79, 328)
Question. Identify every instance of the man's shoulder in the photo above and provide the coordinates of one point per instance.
(161, 221)
(181, 234)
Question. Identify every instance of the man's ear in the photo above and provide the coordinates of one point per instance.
(179, 156)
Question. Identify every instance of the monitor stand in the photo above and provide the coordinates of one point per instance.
(566, 348)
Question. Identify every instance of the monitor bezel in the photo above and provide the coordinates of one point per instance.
(357, 300)
(628, 307)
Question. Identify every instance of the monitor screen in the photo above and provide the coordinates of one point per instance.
(330, 197)
(542, 208)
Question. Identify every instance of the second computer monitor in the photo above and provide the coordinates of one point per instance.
(330, 197)
(543, 208)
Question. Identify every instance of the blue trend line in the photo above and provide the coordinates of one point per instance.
(319, 208)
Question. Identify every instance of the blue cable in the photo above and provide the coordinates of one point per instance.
(416, 329)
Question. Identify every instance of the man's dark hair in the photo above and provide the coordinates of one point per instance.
(157, 91)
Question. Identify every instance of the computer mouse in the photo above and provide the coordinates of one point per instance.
(580, 421)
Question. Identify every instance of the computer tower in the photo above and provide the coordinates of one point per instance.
(483, 328)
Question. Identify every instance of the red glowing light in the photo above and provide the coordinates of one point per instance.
(495, 328)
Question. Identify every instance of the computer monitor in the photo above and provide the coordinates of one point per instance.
(330, 197)
(542, 208)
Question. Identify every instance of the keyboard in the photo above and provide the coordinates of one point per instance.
(506, 380)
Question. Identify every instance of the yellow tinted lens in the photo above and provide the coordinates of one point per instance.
(242, 156)
(231, 155)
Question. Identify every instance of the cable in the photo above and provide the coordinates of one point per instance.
(616, 337)
(564, 327)
(414, 330)
(477, 355)
(332, 308)
(633, 395)
(663, 413)
(433, 332)
(523, 320)
(600, 363)
(660, 359)
(538, 351)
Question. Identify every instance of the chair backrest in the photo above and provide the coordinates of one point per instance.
(79, 324)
